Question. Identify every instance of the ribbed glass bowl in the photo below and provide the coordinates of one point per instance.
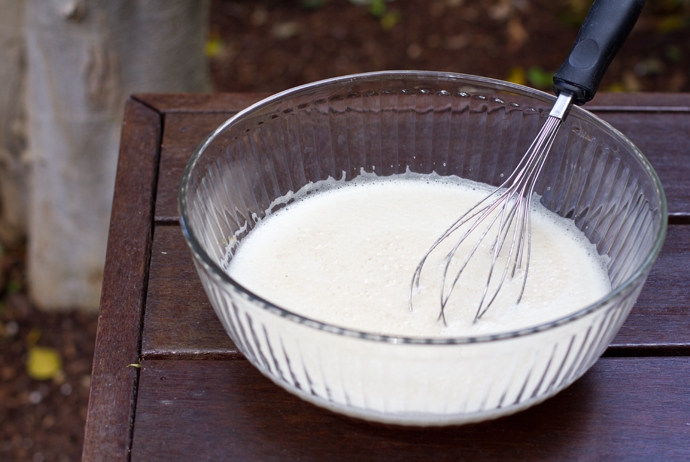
(451, 124)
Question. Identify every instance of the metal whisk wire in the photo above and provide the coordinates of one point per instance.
(511, 202)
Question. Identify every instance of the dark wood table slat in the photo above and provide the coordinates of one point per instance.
(226, 410)
(639, 102)
(170, 103)
(662, 138)
(181, 323)
(113, 384)
(661, 316)
(181, 136)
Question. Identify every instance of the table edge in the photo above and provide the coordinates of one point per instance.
(112, 399)
(233, 102)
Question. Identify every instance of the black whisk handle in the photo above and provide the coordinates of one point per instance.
(604, 30)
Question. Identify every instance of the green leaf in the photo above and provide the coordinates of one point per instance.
(390, 19)
(539, 78)
(378, 8)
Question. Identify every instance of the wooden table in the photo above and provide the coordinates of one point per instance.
(195, 397)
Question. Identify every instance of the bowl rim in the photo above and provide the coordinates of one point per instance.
(217, 273)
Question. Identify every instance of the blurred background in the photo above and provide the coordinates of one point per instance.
(272, 45)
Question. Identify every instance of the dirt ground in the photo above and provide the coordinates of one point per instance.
(272, 45)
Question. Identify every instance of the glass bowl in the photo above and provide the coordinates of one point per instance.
(452, 124)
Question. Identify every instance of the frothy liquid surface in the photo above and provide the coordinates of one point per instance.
(345, 256)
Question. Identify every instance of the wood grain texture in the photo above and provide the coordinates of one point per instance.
(199, 102)
(662, 138)
(113, 384)
(622, 409)
(182, 134)
(660, 318)
(180, 321)
(639, 102)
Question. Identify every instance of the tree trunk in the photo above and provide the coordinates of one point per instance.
(12, 123)
(84, 58)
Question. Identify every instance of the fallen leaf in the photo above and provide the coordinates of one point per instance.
(213, 47)
(43, 363)
(390, 19)
(517, 75)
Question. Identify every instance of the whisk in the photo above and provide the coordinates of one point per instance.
(507, 209)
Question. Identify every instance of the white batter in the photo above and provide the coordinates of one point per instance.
(346, 254)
